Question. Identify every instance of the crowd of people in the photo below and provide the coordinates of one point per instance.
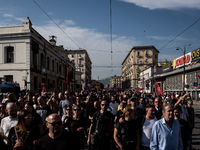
(101, 120)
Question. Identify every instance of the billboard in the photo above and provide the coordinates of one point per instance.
(195, 55)
(179, 62)
(166, 67)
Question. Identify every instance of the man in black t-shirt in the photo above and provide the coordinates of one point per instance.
(57, 138)
(101, 125)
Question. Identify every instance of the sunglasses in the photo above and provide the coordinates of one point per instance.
(68, 109)
(104, 105)
(59, 123)
(29, 118)
(76, 109)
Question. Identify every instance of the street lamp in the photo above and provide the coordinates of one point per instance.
(183, 67)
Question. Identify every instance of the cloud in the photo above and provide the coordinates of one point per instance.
(69, 22)
(165, 38)
(7, 15)
(165, 4)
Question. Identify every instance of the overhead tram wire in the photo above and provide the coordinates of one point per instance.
(111, 34)
(56, 24)
(180, 34)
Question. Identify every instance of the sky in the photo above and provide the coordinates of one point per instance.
(87, 23)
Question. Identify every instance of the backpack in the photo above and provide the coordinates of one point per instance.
(21, 145)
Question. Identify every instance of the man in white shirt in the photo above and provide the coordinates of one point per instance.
(146, 123)
(114, 105)
(8, 122)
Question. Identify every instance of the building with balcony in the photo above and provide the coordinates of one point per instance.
(138, 59)
(83, 64)
(27, 57)
(116, 82)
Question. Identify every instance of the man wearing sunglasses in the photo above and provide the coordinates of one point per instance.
(102, 127)
(57, 138)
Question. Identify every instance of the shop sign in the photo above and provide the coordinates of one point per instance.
(166, 67)
(179, 62)
(196, 55)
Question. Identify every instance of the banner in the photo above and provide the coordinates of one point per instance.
(139, 89)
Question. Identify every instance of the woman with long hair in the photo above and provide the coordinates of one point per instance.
(37, 120)
(24, 131)
(76, 125)
(129, 132)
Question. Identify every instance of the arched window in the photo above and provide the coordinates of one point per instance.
(9, 54)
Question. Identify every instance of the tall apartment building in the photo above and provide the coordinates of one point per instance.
(138, 58)
(116, 82)
(28, 56)
(83, 64)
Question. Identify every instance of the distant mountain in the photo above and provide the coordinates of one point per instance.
(105, 81)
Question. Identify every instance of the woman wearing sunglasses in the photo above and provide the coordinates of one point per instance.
(24, 131)
(76, 125)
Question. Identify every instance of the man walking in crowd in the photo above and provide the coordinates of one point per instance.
(57, 138)
(11, 120)
(65, 103)
(166, 132)
(53, 102)
(101, 128)
(114, 105)
(158, 107)
(146, 124)
(43, 110)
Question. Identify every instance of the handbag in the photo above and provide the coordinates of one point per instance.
(21, 145)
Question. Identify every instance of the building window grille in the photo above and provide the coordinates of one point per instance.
(9, 54)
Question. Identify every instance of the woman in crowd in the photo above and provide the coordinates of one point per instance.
(23, 131)
(129, 132)
(68, 114)
(76, 125)
(37, 120)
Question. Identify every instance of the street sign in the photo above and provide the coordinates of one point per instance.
(42, 84)
(195, 84)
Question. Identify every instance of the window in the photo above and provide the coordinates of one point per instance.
(60, 69)
(57, 66)
(147, 52)
(35, 82)
(41, 61)
(138, 53)
(72, 56)
(147, 61)
(9, 78)
(34, 60)
(9, 54)
(138, 61)
(52, 65)
(156, 56)
(48, 63)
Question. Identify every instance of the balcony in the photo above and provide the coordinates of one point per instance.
(137, 70)
(139, 56)
(147, 55)
(140, 63)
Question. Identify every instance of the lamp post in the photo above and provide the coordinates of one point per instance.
(183, 67)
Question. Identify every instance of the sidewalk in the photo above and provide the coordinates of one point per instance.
(196, 130)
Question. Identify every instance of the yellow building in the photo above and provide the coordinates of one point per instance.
(116, 82)
(138, 58)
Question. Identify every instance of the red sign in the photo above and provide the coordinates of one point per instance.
(42, 84)
(180, 61)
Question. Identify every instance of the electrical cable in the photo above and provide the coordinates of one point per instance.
(179, 34)
(56, 24)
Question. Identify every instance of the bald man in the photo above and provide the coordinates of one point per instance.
(11, 120)
(57, 138)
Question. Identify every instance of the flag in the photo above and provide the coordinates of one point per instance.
(68, 79)
(154, 69)
(199, 75)
(139, 89)
(43, 91)
(158, 88)
(90, 85)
